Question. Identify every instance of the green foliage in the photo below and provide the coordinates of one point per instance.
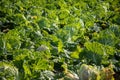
(44, 39)
(8, 71)
(98, 53)
(99, 48)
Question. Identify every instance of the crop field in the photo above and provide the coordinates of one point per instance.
(59, 40)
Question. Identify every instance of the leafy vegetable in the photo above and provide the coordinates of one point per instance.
(59, 39)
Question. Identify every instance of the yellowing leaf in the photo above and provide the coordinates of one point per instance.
(75, 54)
(60, 46)
(27, 69)
(9, 46)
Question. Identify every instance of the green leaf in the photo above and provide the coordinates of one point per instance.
(100, 49)
(60, 46)
(8, 71)
(27, 70)
(107, 38)
(76, 53)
